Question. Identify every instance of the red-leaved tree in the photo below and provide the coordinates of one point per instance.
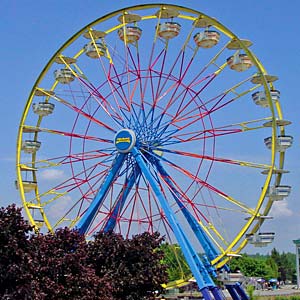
(15, 257)
(61, 268)
(62, 265)
(133, 265)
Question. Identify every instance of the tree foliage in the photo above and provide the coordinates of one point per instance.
(254, 267)
(177, 266)
(275, 265)
(61, 268)
(15, 257)
(285, 263)
(64, 266)
(133, 266)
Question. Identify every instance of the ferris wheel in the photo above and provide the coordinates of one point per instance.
(155, 118)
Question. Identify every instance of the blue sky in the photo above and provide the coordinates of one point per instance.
(32, 31)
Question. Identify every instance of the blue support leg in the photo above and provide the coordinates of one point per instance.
(232, 291)
(217, 292)
(241, 291)
(91, 212)
(180, 236)
(203, 270)
(121, 199)
(205, 242)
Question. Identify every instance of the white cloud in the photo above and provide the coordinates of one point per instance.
(52, 174)
(280, 209)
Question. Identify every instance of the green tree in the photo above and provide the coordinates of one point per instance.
(255, 267)
(285, 263)
(177, 266)
(291, 258)
(273, 266)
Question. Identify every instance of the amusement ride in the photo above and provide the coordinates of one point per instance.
(157, 118)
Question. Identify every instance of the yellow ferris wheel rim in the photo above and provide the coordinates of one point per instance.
(184, 14)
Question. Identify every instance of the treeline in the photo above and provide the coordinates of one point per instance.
(64, 265)
(275, 265)
(281, 266)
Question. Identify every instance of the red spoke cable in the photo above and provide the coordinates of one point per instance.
(185, 197)
(94, 92)
(169, 75)
(182, 75)
(76, 157)
(112, 87)
(204, 134)
(86, 115)
(151, 63)
(197, 179)
(138, 82)
(105, 104)
(75, 181)
(77, 135)
(195, 96)
(121, 94)
(160, 72)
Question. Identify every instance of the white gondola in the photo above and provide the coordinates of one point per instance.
(43, 108)
(231, 278)
(207, 39)
(239, 62)
(282, 142)
(260, 98)
(95, 50)
(30, 146)
(277, 193)
(260, 239)
(130, 33)
(64, 76)
(168, 30)
(28, 186)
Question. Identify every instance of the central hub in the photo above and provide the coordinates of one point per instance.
(125, 140)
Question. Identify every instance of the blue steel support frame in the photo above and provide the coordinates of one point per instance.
(90, 214)
(240, 291)
(129, 182)
(236, 290)
(208, 247)
(205, 283)
(232, 291)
